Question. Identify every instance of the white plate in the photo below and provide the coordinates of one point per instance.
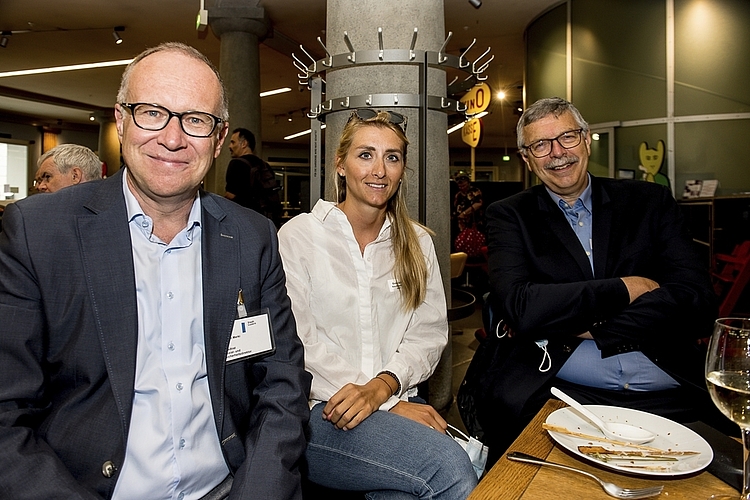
(669, 436)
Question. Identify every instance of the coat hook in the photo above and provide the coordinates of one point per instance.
(329, 61)
(352, 56)
(461, 63)
(380, 43)
(315, 63)
(484, 67)
(299, 64)
(441, 56)
(474, 64)
(412, 55)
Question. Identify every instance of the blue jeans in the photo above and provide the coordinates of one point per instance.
(389, 457)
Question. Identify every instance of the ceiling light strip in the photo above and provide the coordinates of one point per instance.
(57, 69)
(275, 91)
(300, 134)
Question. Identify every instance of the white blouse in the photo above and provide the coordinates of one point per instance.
(348, 307)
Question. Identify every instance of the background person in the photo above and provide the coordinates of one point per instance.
(600, 283)
(468, 207)
(250, 181)
(119, 300)
(66, 165)
(368, 297)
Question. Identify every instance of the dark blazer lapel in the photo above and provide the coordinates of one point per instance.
(108, 268)
(220, 242)
(602, 226)
(560, 227)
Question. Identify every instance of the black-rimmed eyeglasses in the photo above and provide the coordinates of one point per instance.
(567, 140)
(370, 113)
(154, 117)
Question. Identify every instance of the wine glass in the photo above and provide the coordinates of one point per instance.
(728, 380)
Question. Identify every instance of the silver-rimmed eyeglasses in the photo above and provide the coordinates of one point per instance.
(154, 117)
(567, 140)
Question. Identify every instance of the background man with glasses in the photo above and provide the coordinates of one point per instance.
(66, 165)
(599, 285)
(120, 306)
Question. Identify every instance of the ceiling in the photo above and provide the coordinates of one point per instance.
(47, 33)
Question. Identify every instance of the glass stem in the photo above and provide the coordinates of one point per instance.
(745, 463)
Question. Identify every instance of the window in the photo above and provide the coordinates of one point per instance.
(14, 160)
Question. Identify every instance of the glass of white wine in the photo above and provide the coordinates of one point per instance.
(728, 380)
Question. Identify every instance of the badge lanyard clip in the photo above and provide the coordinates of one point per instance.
(241, 311)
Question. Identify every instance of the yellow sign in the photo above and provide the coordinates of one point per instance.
(471, 133)
(477, 99)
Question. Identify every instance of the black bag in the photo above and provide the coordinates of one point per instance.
(266, 199)
(476, 384)
(268, 192)
(479, 380)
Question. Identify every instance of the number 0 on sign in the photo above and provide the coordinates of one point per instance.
(477, 99)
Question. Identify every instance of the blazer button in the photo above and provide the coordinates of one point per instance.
(108, 469)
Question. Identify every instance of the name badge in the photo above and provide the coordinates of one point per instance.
(251, 337)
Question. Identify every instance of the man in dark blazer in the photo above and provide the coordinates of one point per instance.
(598, 283)
(91, 406)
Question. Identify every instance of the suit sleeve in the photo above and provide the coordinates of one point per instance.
(536, 305)
(29, 468)
(681, 309)
(532, 300)
(276, 442)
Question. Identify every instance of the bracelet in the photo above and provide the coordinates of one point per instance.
(386, 383)
(393, 375)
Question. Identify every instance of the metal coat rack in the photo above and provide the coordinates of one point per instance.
(312, 76)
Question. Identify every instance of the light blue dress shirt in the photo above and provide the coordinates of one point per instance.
(629, 371)
(173, 450)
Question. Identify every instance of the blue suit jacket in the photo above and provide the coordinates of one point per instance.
(68, 333)
(543, 286)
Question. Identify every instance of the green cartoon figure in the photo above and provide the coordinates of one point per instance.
(651, 160)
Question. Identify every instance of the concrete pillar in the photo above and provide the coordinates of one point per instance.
(109, 142)
(398, 18)
(241, 25)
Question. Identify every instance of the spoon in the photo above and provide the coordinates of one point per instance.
(616, 430)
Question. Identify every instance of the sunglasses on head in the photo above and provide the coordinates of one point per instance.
(365, 114)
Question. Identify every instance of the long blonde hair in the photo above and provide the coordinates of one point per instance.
(410, 267)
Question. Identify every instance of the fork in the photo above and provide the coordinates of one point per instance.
(610, 488)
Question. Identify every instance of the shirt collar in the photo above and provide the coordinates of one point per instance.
(136, 212)
(324, 209)
(585, 197)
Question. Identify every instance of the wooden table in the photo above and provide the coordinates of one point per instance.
(516, 480)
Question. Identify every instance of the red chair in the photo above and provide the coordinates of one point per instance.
(731, 276)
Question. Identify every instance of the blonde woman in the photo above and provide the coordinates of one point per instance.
(370, 308)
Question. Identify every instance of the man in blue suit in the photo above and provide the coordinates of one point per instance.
(599, 284)
(123, 371)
